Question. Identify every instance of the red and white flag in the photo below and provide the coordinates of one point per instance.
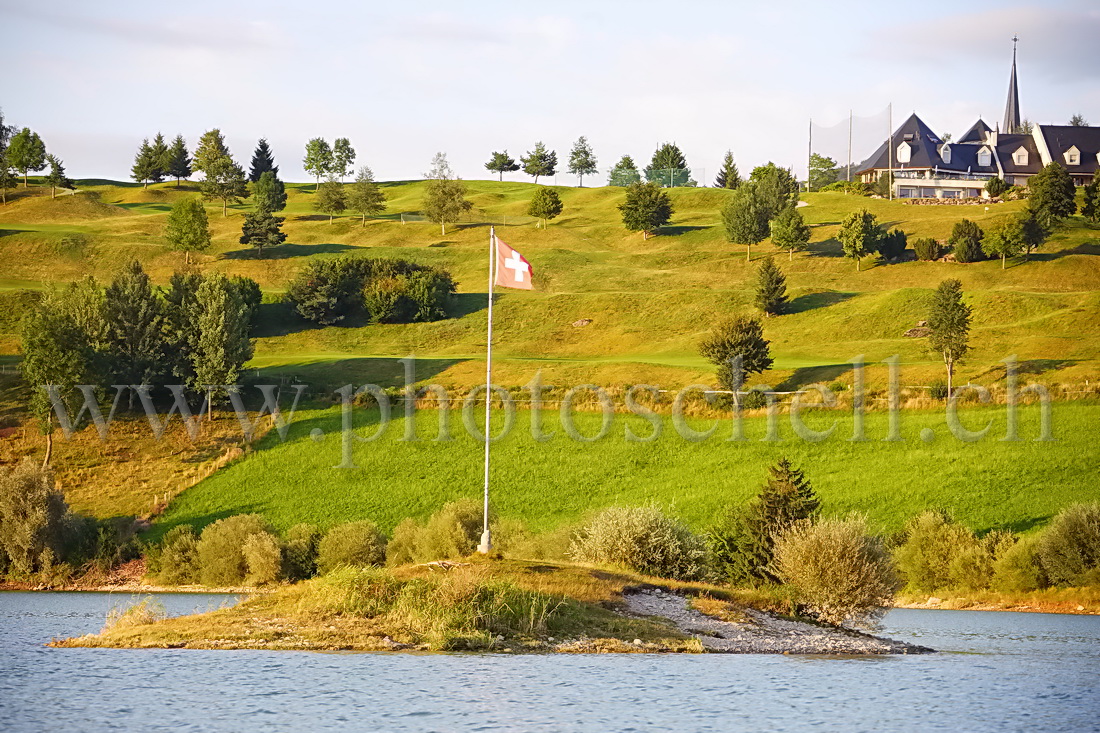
(513, 271)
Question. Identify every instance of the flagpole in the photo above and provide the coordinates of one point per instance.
(486, 540)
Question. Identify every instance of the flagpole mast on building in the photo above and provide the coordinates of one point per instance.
(486, 539)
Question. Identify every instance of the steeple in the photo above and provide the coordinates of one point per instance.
(1012, 107)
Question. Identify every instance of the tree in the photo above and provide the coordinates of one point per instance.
(545, 205)
(445, 195)
(26, 153)
(144, 167)
(744, 217)
(949, 323)
(181, 329)
(1034, 232)
(343, 158)
(776, 187)
(209, 151)
(56, 178)
(134, 339)
(737, 338)
(1078, 121)
(331, 199)
(261, 229)
(318, 160)
(441, 169)
(859, 235)
(159, 153)
(365, 196)
(624, 173)
(891, 245)
(502, 163)
(771, 288)
(1005, 240)
(540, 162)
(223, 345)
(269, 193)
(728, 176)
(179, 161)
(823, 171)
(789, 230)
(7, 180)
(996, 186)
(6, 131)
(582, 161)
(263, 161)
(668, 167)
(188, 229)
(1090, 208)
(224, 182)
(646, 208)
(966, 240)
(1052, 194)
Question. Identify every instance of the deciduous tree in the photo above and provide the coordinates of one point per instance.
(318, 160)
(776, 187)
(365, 197)
(823, 171)
(949, 323)
(545, 205)
(1052, 194)
(744, 217)
(331, 199)
(1004, 240)
(1090, 208)
(625, 173)
(502, 163)
(1034, 231)
(1078, 121)
(789, 231)
(343, 158)
(56, 178)
(7, 180)
(263, 161)
(728, 175)
(224, 182)
(540, 162)
(26, 153)
(859, 235)
(582, 161)
(646, 208)
(188, 229)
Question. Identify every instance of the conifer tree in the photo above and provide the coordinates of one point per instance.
(502, 163)
(582, 161)
(624, 173)
(56, 178)
(776, 187)
(737, 338)
(318, 160)
(210, 150)
(966, 239)
(1052, 194)
(366, 197)
(223, 345)
(269, 193)
(545, 205)
(669, 167)
(789, 231)
(188, 229)
(144, 167)
(262, 161)
(745, 218)
(134, 339)
(646, 208)
(540, 162)
(7, 179)
(1034, 232)
(224, 182)
(331, 199)
(262, 229)
(343, 158)
(26, 153)
(1090, 208)
(949, 322)
(159, 152)
(179, 160)
(771, 288)
(728, 175)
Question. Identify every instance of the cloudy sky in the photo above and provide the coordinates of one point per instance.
(403, 80)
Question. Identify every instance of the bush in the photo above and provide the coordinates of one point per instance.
(264, 558)
(840, 573)
(352, 544)
(386, 300)
(966, 241)
(145, 611)
(1069, 548)
(1016, 568)
(932, 543)
(178, 562)
(220, 549)
(856, 187)
(996, 186)
(36, 527)
(927, 249)
(300, 552)
(642, 539)
(892, 244)
(454, 531)
(938, 390)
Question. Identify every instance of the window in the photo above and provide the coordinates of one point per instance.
(945, 153)
(907, 193)
(984, 158)
(1020, 156)
(1073, 156)
(904, 153)
(951, 193)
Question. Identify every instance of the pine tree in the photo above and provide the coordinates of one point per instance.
(134, 316)
(737, 338)
(343, 158)
(1033, 231)
(261, 229)
(1052, 194)
(144, 166)
(789, 231)
(1078, 120)
(1090, 208)
(223, 345)
(188, 229)
(728, 175)
(262, 162)
(949, 323)
(966, 239)
(366, 197)
(776, 187)
(210, 150)
(159, 153)
(56, 178)
(545, 205)
(540, 162)
(668, 167)
(331, 199)
(646, 208)
(859, 235)
(26, 153)
(771, 288)
(269, 193)
(501, 163)
(892, 244)
(179, 161)
(744, 217)
(318, 160)
(224, 182)
(625, 173)
(582, 161)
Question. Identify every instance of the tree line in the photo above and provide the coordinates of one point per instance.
(23, 151)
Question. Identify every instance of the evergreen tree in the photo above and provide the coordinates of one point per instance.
(776, 187)
(739, 337)
(223, 345)
(668, 167)
(545, 205)
(996, 186)
(179, 160)
(892, 244)
(331, 199)
(625, 173)
(269, 193)
(343, 158)
(771, 288)
(56, 178)
(261, 229)
(1005, 240)
(823, 171)
(181, 326)
(728, 175)
(540, 162)
(224, 182)
(949, 323)
(1052, 194)
(262, 162)
(144, 167)
(502, 163)
(188, 229)
(1033, 231)
(134, 316)
(966, 239)
(744, 217)
(209, 152)
(646, 208)
(789, 230)
(582, 161)
(26, 153)
(1090, 208)
(859, 235)
(1078, 121)
(318, 160)
(159, 152)
(366, 197)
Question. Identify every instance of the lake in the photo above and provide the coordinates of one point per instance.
(995, 672)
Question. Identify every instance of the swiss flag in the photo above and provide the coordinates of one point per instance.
(513, 271)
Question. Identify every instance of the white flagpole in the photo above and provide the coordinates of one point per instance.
(486, 540)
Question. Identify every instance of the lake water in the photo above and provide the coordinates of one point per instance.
(996, 672)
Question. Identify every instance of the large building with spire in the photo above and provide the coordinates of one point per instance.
(926, 166)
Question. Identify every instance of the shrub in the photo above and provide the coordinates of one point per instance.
(1069, 548)
(264, 559)
(386, 300)
(220, 549)
(927, 249)
(938, 390)
(754, 399)
(856, 187)
(996, 186)
(932, 542)
(840, 573)
(892, 244)
(36, 528)
(326, 291)
(352, 544)
(453, 531)
(1016, 568)
(300, 551)
(966, 241)
(643, 539)
(178, 561)
(145, 611)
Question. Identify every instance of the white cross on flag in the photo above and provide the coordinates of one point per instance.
(513, 271)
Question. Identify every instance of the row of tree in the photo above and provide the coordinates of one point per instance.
(24, 151)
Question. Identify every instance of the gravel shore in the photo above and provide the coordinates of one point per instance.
(760, 633)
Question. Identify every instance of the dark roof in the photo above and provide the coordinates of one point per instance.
(921, 139)
(1061, 138)
(964, 158)
(1009, 144)
(977, 133)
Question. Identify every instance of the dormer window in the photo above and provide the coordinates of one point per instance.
(1020, 156)
(1073, 156)
(905, 153)
(945, 153)
(984, 158)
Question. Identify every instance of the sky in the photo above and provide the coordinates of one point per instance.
(405, 80)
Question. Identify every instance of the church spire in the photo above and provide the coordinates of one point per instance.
(1012, 107)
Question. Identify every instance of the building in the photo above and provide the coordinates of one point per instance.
(926, 166)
